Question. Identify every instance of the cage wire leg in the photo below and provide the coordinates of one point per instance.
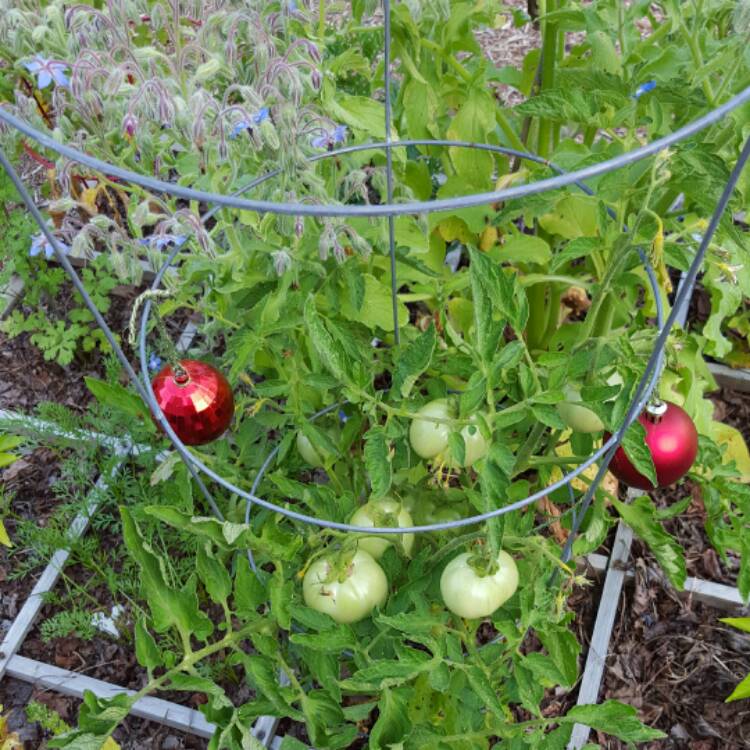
(389, 167)
(81, 289)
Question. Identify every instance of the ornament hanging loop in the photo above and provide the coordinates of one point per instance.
(655, 409)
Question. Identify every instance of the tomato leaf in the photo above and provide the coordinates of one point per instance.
(634, 445)
(281, 593)
(457, 447)
(146, 650)
(377, 460)
(506, 359)
(614, 718)
(213, 575)
(249, 592)
(525, 248)
(169, 607)
(328, 349)
(548, 415)
(473, 395)
(482, 687)
(393, 724)
(487, 330)
(741, 623)
(641, 516)
(413, 361)
(564, 650)
(330, 641)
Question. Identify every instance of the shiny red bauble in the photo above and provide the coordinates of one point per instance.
(673, 441)
(197, 401)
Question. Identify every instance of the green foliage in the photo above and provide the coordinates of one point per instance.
(68, 622)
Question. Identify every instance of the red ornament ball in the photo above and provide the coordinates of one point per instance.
(673, 441)
(197, 401)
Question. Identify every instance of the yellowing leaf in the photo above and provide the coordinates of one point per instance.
(488, 238)
(8, 740)
(609, 483)
(524, 248)
(110, 744)
(734, 447)
(461, 314)
(4, 538)
(574, 216)
(87, 200)
(454, 228)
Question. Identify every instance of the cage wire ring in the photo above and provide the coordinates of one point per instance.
(251, 497)
(384, 209)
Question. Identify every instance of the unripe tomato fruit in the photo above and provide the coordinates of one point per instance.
(197, 401)
(577, 416)
(368, 515)
(469, 595)
(430, 438)
(349, 596)
(673, 442)
(475, 446)
(307, 451)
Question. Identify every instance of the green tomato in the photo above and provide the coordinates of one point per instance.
(307, 451)
(428, 439)
(349, 595)
(469, 595)
(385, 512)
(475, 447)
(578, 417)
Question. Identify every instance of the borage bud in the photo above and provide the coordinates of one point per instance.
(129, 125)
(282, 262)
(338, 250)
(299, 226)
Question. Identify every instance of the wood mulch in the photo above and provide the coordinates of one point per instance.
(676, 663)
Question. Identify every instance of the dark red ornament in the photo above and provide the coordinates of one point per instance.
(196, 400)
(673, 441)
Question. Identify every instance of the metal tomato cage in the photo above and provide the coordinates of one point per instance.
(389, 210)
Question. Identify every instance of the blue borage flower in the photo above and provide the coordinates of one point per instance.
(160, 241)
(154, 362)
(330, 138)
(261, 115)
(40, 244)
(47, 71)
(644, 88)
